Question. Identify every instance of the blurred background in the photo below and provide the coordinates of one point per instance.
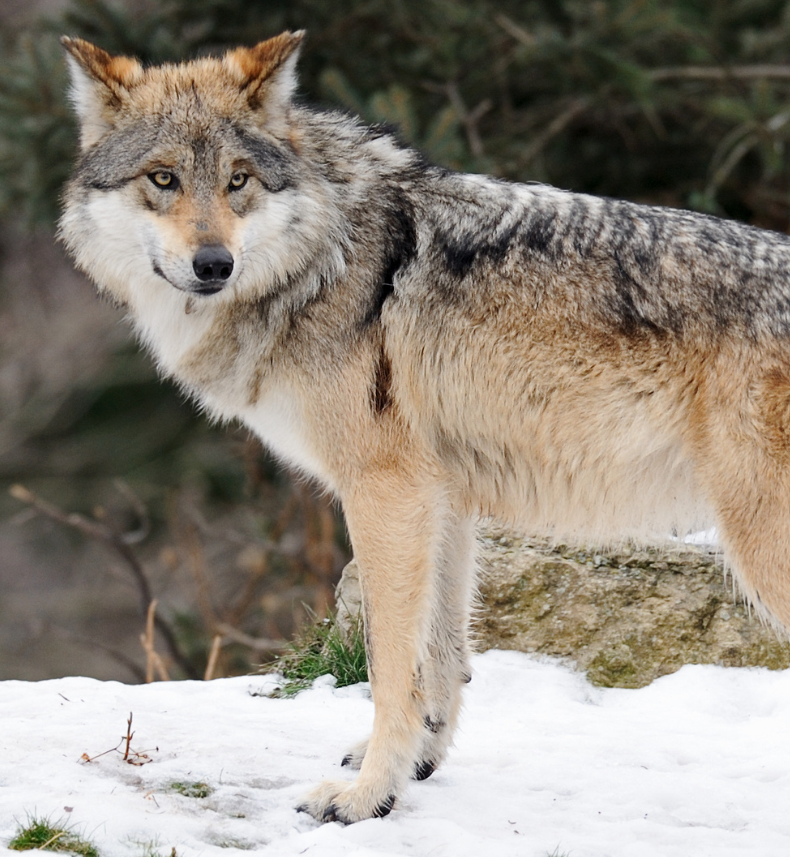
(114, 493)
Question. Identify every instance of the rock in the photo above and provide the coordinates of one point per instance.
(624, 616)
(348, 600)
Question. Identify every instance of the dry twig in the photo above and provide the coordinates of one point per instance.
(154, 662)
(130, 756)
(213, 657)
(515, 30)
(129, 735)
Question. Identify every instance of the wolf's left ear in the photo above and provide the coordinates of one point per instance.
(100, 83)
(267, 73)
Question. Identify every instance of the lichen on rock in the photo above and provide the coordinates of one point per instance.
(624, 616)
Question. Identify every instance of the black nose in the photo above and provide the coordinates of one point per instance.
(212, 262)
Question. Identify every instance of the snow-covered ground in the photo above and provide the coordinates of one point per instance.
(696, 764)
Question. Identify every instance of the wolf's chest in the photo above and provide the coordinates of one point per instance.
(278, 419)
(185, 349)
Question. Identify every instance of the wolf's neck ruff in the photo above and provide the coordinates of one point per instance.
(431, 346)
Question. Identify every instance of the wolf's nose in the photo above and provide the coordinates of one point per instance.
(212, 262)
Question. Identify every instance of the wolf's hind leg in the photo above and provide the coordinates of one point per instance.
(754, 520)
(394, 522)
(355, 755)
(744, 467)
(445, 672)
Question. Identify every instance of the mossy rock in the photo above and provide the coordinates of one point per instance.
(624, 616)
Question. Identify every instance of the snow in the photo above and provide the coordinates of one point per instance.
(698, 763)
(709, 538)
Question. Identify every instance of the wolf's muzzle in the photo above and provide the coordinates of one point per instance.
(213, 264)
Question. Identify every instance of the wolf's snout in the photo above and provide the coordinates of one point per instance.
(212, 263)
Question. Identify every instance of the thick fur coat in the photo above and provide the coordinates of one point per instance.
(432, 347)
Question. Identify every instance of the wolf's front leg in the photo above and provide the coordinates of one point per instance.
(392, 520)
(446, 670)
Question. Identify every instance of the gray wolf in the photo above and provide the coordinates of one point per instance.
(432, 347)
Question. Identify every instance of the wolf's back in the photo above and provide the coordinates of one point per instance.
(642, 270)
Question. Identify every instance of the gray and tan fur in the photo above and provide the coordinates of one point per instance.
(432, 347)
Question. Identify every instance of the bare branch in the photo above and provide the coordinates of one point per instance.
(688, 72)
(554, 128)
(93, 529)
(114, 540)
(738, 72)
(515, 30)
(144, 529)
(192, 546)
(239, 608)
(469, 119)
(258, 644)
(114, 653)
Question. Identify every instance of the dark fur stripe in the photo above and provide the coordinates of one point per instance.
(118, 159)
(273, 164)
(382, 383)
(400, 248)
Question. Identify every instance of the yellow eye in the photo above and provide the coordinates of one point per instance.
(237, 181)
(164, 179)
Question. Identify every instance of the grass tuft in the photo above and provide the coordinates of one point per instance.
(152, 848)
(42, 834)
(196, 790)
(238, 844)
(321, 648)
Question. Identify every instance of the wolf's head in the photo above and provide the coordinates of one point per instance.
(189, 176)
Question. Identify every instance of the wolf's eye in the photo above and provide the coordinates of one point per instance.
(164, 180)
(237, 181)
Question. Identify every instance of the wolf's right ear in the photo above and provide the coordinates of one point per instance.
(100, 83)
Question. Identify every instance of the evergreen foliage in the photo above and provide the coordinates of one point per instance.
(676, 101)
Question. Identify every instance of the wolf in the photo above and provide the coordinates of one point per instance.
(433, 347)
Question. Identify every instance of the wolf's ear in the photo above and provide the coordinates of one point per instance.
(267, 73)
(99, 84)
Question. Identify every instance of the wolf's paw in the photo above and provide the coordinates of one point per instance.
(339, 801)
(423, 770)
(353, 759)
(435, 747)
